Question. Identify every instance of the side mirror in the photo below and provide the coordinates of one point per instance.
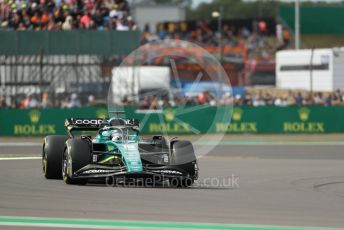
(133, 122)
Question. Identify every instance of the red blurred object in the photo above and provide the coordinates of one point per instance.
(262, 26)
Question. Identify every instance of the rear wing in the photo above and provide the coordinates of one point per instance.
(84, 124)
(94, 124)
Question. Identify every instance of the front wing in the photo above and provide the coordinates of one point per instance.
(102, 171)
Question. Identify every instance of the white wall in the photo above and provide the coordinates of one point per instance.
(301, 79)
(154, 14)
(127, 81)
(338, 70)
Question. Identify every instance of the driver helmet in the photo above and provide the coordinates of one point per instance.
(116, 135)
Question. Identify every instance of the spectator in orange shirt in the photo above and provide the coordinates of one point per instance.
(286, 37)
(262, 27)
(45, 18)
(86, 21)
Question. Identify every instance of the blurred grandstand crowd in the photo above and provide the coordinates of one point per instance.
(255, 38)
(54, 15)
(259, 98)
(44, 100)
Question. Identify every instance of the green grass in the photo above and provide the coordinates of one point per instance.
(322, 41)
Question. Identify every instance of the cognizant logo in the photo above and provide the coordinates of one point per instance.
(88, 122)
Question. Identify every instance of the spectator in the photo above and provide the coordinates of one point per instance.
(238, 100)
(165, 102)
(68, 24)
(279, 33)
(307, 99)
(318, 99)
(24, 103)
(299, 99)
(64, 103)
(286, 37)
(122, 25)
(262, 27)
(125, 101)
(280, 101)
(154, 104)
(157, 102)
(32, 102)
(66, 15)
(98, 20)
(144, 104)
(74, 101)
(290, 99)
(336, 100)
(2, 102)
(258, 100)
(45, 100)
(91, 100)
(86, 21)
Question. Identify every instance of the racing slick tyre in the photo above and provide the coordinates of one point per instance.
(183, 156)
(53, 147)
(77, 154)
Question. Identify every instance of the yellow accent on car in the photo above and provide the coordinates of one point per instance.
(107, 159)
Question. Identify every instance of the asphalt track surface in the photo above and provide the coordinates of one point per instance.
(295, 182)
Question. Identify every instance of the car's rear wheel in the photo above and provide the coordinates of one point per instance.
(77, 154)
(53, 147)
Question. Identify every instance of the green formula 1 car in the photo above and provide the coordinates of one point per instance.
(118, 152)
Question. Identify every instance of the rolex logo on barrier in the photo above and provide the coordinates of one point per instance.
(170, 125)
(237, 113)
(34, 115)
(304, 125)
(238, 124)
(169, 115)
(101, 113)
(34, 126)
(304, 114)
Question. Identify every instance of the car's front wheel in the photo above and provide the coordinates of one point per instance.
(76, 155)
(183, 156)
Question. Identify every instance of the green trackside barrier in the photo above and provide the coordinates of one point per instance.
(315, 20)
(40, 122)
(265, 119)
(78, 42)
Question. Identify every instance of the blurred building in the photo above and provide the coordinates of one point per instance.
(310, 69)
(148, 16)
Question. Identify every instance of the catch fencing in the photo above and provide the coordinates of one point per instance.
(62, 62)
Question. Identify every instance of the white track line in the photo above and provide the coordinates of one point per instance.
(70, 226)
(19, 158)
(221, 143)
(14, 144)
